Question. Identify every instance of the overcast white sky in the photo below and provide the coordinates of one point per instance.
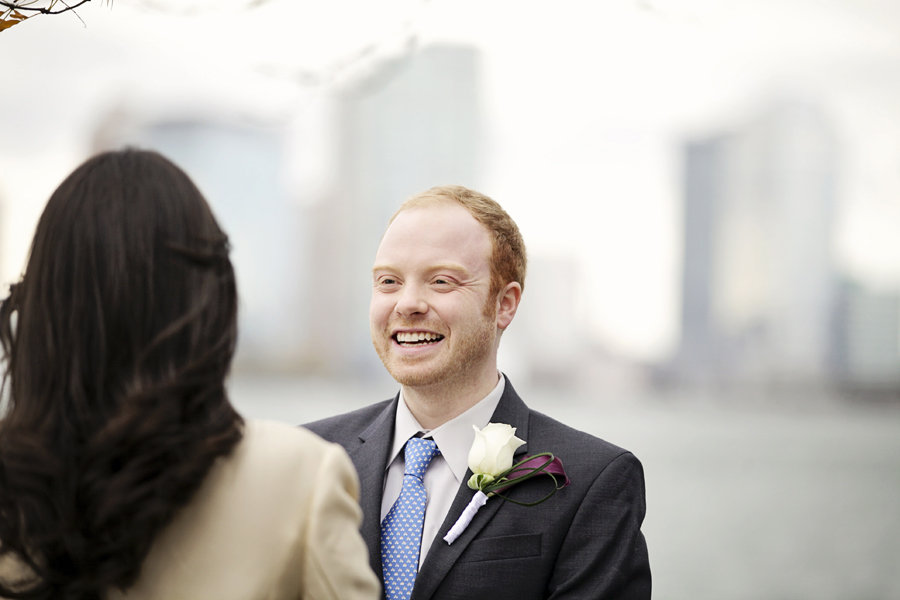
(588, 102)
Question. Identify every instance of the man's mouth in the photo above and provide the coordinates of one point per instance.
(416, 338)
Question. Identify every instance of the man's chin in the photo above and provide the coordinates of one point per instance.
(414, 379)
(418, 376)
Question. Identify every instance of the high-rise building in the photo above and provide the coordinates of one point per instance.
(239, 168)
(759, 281)
(867, 355)
(412, 124)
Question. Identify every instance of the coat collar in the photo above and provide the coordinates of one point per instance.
(441, 558)
(370, 458)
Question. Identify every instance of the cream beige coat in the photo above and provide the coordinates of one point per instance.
(277, 519)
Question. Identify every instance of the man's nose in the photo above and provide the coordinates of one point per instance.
(411, 301)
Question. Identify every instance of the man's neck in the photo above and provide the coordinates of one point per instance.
(434, 405)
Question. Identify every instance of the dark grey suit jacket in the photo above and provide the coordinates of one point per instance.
(584, 542)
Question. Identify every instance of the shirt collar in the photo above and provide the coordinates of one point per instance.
(454, 437)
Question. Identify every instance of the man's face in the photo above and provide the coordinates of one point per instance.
(431, 284)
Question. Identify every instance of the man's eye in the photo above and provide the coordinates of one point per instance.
(387, 281)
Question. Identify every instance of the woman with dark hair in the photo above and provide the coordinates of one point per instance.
(124, 470)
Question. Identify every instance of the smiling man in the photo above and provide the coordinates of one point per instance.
(447, 281)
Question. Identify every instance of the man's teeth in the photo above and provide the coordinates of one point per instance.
(415, 337)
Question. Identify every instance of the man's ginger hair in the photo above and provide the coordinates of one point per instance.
(508, 256)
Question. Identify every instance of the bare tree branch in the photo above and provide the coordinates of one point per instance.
(13, 12)
(19, 5)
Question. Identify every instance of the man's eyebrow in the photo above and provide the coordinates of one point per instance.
(449, 266)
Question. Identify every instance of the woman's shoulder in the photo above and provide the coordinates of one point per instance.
(272, 469)
(277, 432)
(275, 443)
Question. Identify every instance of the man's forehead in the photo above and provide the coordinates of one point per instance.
(435, 235)
(438, 219)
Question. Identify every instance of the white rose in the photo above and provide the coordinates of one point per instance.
(492, 451)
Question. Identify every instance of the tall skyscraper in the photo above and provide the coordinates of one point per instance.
(759, 281)
(412, 124)
(239, 168)
(867, 355)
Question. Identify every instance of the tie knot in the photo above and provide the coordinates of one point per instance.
(418, 454)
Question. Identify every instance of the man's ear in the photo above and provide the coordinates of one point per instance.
(508, 303)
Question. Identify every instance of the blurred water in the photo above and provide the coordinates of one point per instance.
(756, 501)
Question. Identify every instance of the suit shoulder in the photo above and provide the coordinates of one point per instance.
(338, 427)
(577, 444)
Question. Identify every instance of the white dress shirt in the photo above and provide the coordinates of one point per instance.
(446, 471)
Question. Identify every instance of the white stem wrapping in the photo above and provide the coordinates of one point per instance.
(466, 517)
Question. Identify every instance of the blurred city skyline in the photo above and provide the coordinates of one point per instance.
(589, 125)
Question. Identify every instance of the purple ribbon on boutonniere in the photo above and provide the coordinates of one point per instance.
(490, 460)
(539, 464)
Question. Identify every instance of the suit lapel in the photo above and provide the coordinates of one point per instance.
(442, 557)
(370, 458)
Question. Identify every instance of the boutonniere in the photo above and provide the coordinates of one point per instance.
(493, 471)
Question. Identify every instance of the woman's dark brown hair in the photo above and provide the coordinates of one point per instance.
(118, 340)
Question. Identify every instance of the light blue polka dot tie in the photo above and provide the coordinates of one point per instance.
(401, 530)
